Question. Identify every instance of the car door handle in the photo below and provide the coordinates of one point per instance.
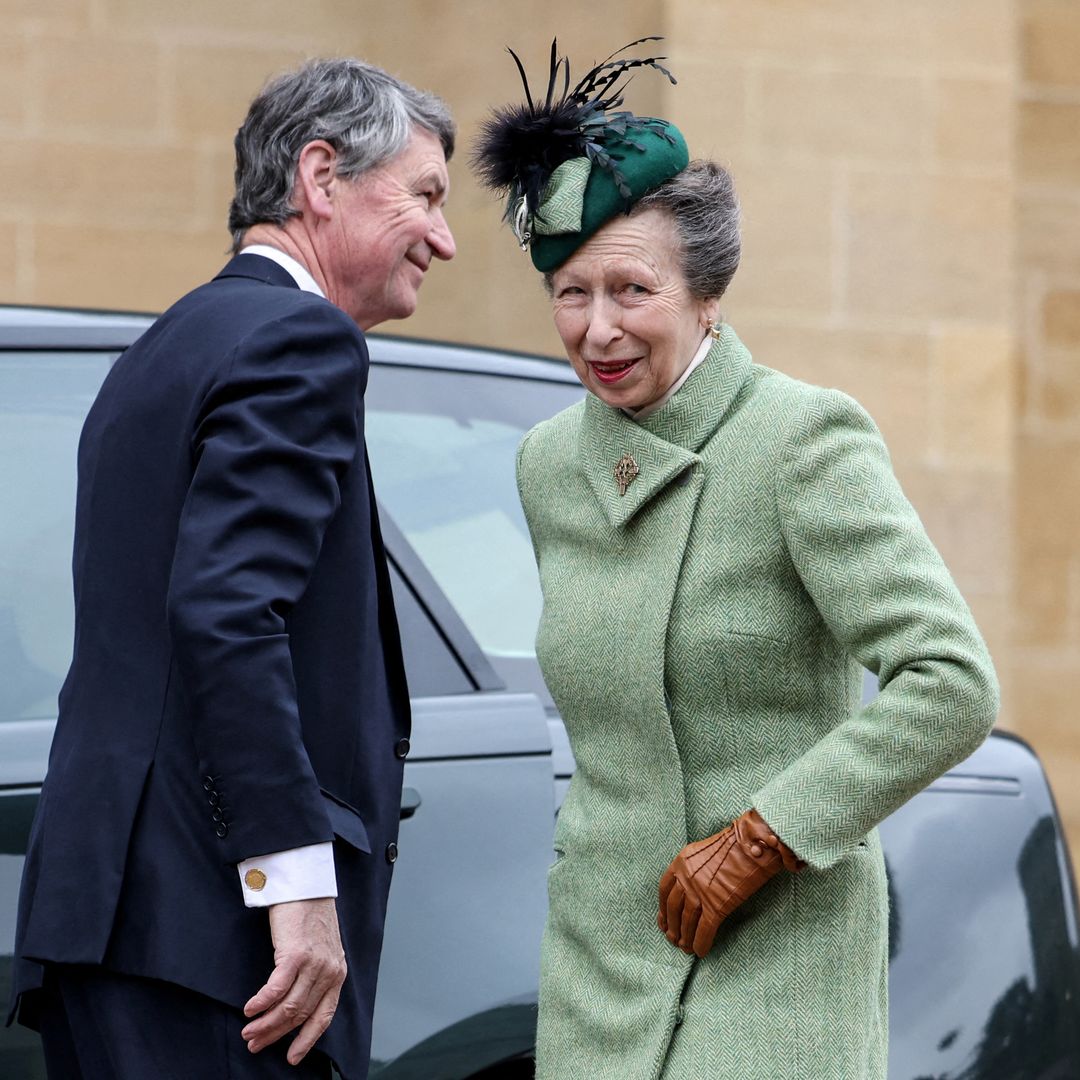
(410, 802)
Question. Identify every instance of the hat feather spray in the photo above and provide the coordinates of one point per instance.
(521, 146)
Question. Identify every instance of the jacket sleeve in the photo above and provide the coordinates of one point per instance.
(272, 444)
(888, 599)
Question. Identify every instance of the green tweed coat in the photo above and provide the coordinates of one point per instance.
(702, 636)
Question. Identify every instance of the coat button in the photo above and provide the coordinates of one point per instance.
(215, 798)
(208, 783)
(222, 830)
(401, 748)
(391, 853)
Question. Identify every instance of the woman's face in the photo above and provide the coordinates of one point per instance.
(626, 318)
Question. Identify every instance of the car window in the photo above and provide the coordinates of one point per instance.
(431, 669)
(442, 447)
(43, 400)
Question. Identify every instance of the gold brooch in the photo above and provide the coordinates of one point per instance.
(626, 468)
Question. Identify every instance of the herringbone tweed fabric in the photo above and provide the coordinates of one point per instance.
(702, 636)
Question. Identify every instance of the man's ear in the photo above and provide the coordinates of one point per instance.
(315, 174)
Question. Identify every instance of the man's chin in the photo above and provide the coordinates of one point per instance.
(400, 309)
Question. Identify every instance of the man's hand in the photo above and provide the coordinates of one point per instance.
(303, 988)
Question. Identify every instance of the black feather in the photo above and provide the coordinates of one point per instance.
(520, 146)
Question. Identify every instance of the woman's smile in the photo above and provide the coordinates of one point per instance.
(613, 371)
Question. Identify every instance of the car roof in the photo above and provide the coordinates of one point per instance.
(32, 328)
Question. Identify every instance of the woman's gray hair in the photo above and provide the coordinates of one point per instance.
(364, 113)
(702, 202)
(705, 209)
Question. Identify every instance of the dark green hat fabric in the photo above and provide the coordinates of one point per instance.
(642, 170)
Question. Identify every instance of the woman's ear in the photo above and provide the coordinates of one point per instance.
(710, 312)
(316, 172)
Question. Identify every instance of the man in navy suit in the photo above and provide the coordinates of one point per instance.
(229, 751)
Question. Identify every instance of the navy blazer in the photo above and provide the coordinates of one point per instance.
(237, 685)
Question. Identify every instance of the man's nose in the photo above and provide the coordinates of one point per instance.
(441, 239)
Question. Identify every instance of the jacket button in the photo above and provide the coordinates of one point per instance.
(215, 798)
(391, 853)
(401, 748)
(208, 783)
(222, 830)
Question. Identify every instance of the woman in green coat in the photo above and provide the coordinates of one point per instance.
(722, 550)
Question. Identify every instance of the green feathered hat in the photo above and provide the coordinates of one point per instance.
(569, 164)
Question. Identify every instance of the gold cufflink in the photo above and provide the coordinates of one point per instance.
(255, 880)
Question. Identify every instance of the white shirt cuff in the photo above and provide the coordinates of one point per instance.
(303, 873)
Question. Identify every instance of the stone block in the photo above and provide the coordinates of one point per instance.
(53, 180)
(973, 122)
(1048, 233)
(118, 267)
(1047, 492)
(1049, 142)
(1040, 584)
(974, 396)
(969, 34)
(711, 105)
(840, 115)
(1061, 318)
(967, 514)
(213, 86)
(208, 20)
(9, 245)
(841, 31)
(1050, 42)
(1057, 399)
(887, 372)
(13, 79)
(67, 14)
(1047, 692)
(930, 246)
(788, 246)
(97, 85)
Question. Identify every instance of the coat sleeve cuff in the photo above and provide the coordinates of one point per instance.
(303, 873)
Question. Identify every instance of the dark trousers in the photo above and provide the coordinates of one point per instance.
(99, 1025)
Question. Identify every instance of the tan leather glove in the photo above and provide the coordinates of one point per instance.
(709, 879)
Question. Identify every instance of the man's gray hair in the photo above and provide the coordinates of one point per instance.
(702, 202)
(364, 113)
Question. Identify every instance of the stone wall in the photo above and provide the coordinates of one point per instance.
(1046, 523)
(910, 173)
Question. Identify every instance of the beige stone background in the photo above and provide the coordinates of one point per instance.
(910, 174)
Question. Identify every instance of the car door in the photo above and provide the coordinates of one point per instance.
(44, 395)
(457, 985)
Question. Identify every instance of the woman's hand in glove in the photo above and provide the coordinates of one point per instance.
(709, 879)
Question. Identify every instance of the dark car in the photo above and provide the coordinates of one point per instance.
(984, 945)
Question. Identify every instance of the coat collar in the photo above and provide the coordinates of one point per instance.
(259, 269)
(665, 445)
(692, 416)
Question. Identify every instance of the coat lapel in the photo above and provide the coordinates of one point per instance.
(259, 269)
(607, 436)
(665, 446)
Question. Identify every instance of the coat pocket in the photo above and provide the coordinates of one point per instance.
(346, 822)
